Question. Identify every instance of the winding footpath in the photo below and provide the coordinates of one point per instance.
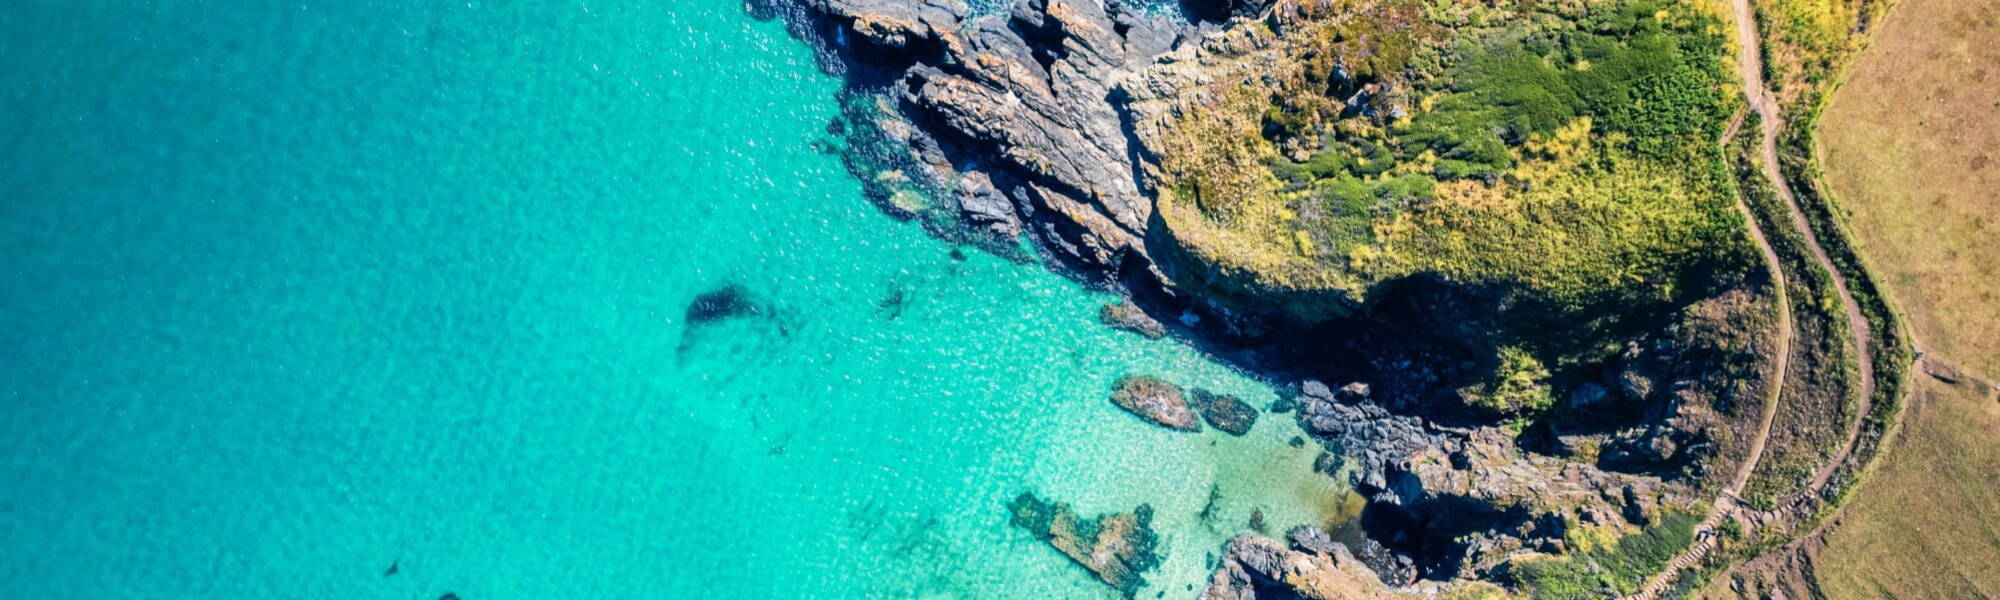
(1727, 504)
(1751, 68)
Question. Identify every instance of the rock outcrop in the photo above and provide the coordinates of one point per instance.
(1473, 493)
(1313, 568)
(1046, 121)
(1117, 548)
(1010, 119)
(1156, 401)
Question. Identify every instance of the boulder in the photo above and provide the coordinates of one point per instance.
(1156, 401)
(1307, 538)
(1588, 394)
(1127, 317)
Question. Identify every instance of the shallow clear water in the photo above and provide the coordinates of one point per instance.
(295, 292)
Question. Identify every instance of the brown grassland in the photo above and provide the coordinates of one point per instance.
(1911, 146)
(1926, 523)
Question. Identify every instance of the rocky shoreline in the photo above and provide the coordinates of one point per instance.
(1045, 121)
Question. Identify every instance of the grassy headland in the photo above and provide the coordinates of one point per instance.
(1557, 158)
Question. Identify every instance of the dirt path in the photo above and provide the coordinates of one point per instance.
(1728, 504)
(1792, 550)
(1778, 368)
(1751, 69)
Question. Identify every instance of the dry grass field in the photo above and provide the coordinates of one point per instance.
(1911, 146)
(1926, 523)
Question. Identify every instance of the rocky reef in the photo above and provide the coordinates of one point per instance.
(1534, 288)
(1259, 567)
(1117, 548)
(1128, 317)
(991, 126)
(726, 302)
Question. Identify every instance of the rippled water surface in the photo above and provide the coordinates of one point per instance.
(388, 300)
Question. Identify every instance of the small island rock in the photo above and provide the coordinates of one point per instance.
(1156, 401)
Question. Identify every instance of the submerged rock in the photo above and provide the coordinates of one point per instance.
(1156, 401)
(892, 305)
(1224, 412)
(1118, 548)
(725, 302)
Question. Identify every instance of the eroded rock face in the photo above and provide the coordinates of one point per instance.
(1013, 114)
(1117, 548)
(1314, 567)
(1224, 412)
(1156, 401)
(1046, 121)
(1472, 492)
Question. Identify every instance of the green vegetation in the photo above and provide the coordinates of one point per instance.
(1617, 569)
(1570, 154)
(1815, 41)
(1808, 42)
(1890, 349)
(1520, 386)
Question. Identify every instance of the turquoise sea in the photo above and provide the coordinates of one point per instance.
(297, 292)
